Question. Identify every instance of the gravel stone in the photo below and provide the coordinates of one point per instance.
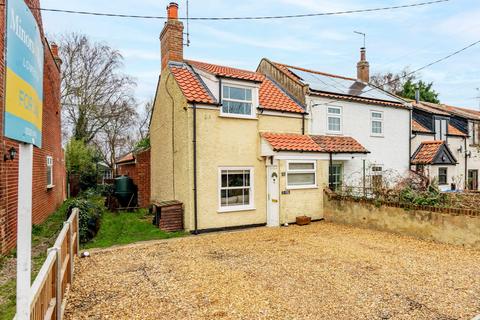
(319, 271)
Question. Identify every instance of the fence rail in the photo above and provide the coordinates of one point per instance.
(49, 290)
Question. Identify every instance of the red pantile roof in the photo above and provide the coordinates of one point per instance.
(426, 152)
(273, 98)
(315, 143)
(339, 144)
(191, 86)
(291, 142)
(126, 158)
(417, 127)
(228, 72)
(455, 132)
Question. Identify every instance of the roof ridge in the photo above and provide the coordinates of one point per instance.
(433, 142)
(222, 66)
(314, 71)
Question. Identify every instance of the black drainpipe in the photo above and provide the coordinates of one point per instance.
(410, 142)
(195, 202)
(466, 163)
(303, 123)
(330, 166)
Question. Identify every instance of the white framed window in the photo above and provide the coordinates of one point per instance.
(50, 172)
(440, 129)
(335, 176)
(301, 174)
(235, 190)
(334, 119)
(376, 120)
(237, 101)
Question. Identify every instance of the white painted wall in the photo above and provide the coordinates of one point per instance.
(391, 150)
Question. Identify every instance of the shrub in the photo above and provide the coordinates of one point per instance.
(91, 207)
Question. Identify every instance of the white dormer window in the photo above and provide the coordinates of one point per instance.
(237, 101)
(334, 119)
(440, 129)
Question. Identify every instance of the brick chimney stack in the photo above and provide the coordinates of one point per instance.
(363, 67)
(56, 57)
(171, 38)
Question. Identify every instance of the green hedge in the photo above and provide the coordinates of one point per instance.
(91, 206)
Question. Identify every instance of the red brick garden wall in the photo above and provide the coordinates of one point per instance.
(140, 173)
(45, 201)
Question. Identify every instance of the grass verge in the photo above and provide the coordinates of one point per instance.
(118, 228)
(43, 237)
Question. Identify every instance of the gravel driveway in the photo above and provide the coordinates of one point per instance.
(320, 271)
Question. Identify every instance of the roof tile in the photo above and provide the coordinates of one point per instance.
(273, 98)
(417, 127)
(228, 72)
(291, 142)
(339, 144)
(427, 152)
(455, 132)
(191, 86)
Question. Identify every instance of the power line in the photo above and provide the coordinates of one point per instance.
(417, 70)
(118, 15)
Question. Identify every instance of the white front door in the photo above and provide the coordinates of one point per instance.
(273, 212)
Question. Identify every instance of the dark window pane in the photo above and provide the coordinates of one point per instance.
(224, 179)
(235, 178)
(223, 196)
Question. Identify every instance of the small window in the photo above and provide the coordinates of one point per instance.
(377, 123)
(237, 101)
(440, 129)
(49, 172)
(442, 175)
(236, 189)
(335, 176)
(377, 177)
(334, 119)
(301, 175)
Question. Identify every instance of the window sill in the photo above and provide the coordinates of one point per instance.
(235, 209)
(302, 187)
(50, 186)
(336, 133)
(224, 115)
(377, 135)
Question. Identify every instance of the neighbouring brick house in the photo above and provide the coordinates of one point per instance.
(136, 165)
(46, 198)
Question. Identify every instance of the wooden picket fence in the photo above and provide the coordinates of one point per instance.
(50, 288)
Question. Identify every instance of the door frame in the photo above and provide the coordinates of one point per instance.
(470, 183)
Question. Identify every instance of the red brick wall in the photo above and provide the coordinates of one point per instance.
(44, 201)
(140, 173)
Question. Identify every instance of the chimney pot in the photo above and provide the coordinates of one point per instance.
(54, 48)
(172, 11)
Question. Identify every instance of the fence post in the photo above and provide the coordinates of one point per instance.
(58, 282)
(77, 213)
(70, 250)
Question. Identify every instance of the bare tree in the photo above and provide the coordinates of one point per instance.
(115, 138)
(393, 82)
(94, 90)
(144, 120)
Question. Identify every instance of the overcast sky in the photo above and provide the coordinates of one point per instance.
(395, 39)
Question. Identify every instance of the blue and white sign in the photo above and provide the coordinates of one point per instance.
(24, 76)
